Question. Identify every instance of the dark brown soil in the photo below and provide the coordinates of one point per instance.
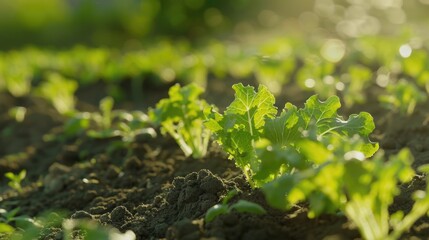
(159, 193)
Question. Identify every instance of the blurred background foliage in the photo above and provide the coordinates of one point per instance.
(64, 23)
(107, 22)
(330, 47)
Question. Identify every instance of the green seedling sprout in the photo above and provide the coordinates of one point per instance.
(94, 231)
(109, 123)
(59, 91)
(182, 116)
(71, 228)
(401, 223)
(402, 97)
(106, 106)
(368, 202)
(242, 206)
(35, 228)
(103, 120)
(5, 227)
(9, 219)
(371, 187)
(16, 179)
(18, 76)
(354, 83)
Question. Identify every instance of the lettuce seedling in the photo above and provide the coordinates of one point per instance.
(370, 187)
(109, 123)
(251, 120)
(59, 91)
(318, 180)
(416, 67)
(401, 223)
(16, 179)
(402, 96)
(240, 206)
(344, 180)
(182, 115)
(17, 75)
(354, 82)
(242, 123)
(104, 120)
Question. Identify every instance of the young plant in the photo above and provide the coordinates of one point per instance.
(402, 97)
(43, 225)
(33, 228)
(93, 230)
(251, 118)
(109, 123)
(416, 67)
(370, 188)
(17, 76)
(318, 180)
(401, 223)
(5, 227)
(9, 221)
(344, 180)
(101, 121)
(354, 83)
(59, 91)
(16, 179)
(240, 206)
(182, 116)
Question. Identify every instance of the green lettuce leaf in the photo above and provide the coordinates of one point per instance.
(242, 124)
(182, 115)
(317, 119)
(250, 108)
(266, 146)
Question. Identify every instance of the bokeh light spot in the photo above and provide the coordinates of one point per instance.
(333, 50)
(340, 86)
(405, 50)
(310, 83)
(383, 77)
(329, 80)
(168, 74)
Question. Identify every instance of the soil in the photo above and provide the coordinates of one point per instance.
(156, 191)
